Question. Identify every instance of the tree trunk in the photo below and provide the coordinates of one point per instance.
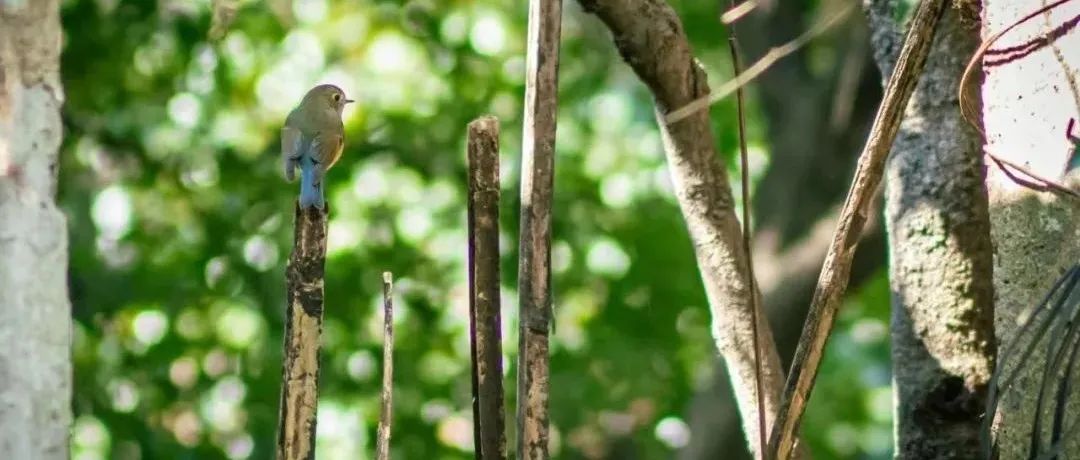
(35, 316)
(939, 249)
(1028, 98)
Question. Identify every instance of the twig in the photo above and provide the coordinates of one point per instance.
(969, 110)
(737, 12)
(834, 274)
(740, 113)
(759, 67)
(303, 328)
(534, 269)
(484, 299)
(386, 416)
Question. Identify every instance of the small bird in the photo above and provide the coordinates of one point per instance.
(312, 139)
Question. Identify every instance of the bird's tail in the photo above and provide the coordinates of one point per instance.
(310, 191)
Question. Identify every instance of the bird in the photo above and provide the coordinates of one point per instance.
(312, 139)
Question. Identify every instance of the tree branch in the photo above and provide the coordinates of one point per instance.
(854, 215)
(534, 269)
(386, 415)
(303, 328)
(650, 38)
(484, 300)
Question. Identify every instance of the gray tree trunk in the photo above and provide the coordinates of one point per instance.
(35, 316)
(1028, 99)
(940, 254)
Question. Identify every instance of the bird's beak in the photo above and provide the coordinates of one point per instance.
(349, 101)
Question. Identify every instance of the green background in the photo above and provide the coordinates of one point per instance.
(180, 226)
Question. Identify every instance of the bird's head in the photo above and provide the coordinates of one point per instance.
(327, 96)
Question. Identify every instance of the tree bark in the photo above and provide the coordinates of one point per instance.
(534, 266)
(35, 315)
(797, 202)
(1028, 99)
(305, 275)
(386, 410)
(650, 38)
(853, 217)
(484, 299)
(939, 245)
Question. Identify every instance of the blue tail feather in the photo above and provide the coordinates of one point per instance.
(310, 192)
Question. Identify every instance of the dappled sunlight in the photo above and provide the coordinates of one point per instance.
(238, 325)
(181, 227)
(112, 212)
(488, 35)
(345, 433)
(90, 439)
(456, 431)
(606, 257)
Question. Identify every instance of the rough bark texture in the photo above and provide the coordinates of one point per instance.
(534, 269)
(797, 202)
(939, 249)
(484, 300)
(788, 286)
(853, 217)
(1028, 99)
(303, 328)
(35, 316)
(650, 38)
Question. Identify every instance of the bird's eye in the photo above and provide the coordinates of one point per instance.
(337, 97)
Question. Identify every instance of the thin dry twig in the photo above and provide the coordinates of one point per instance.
(969, 110)
(740, 112)
(534, 265)
(386, 416)
(759, 67)
(834, 274)
(484, 298)
(738, 12)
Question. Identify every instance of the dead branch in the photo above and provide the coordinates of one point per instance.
(758, 67)
(755, 304)
(386, 415)
(484, 299)
(303, 328)
(854, 215)
(537, 183)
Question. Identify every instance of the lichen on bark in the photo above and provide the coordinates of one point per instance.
(939, 250)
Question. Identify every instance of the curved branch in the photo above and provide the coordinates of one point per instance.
(650, 38)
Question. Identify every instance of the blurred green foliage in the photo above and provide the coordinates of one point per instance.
(180, 226)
